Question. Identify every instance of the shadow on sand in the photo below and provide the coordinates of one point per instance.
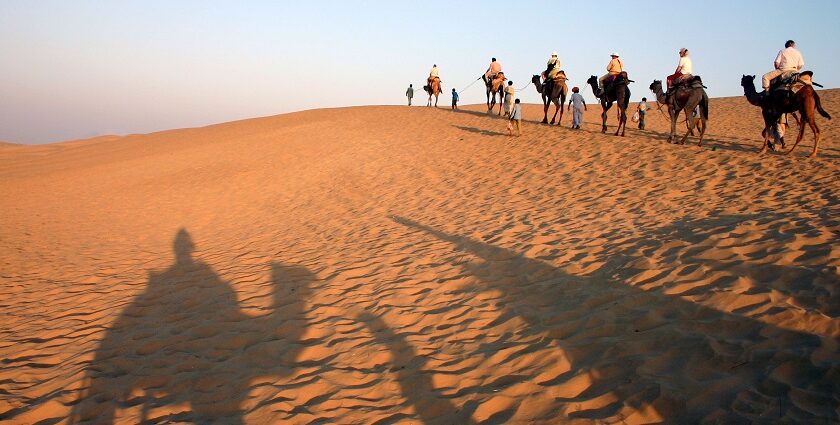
(644, 348)
(185, 345)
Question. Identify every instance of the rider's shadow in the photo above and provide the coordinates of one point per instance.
(183, 350)
(614, 335)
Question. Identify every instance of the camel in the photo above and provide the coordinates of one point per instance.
(778, 102)
(493, 87)
(557, 96)
(434, 89)
(617, 92)
(684, 98)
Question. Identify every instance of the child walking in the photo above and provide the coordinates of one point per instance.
(515, 119)
(642, 109)
(454, 99)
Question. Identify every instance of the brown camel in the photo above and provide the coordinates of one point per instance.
(780, 101)
(617, 92)
(493, 87)
(434, 88)
(556, 95)
(684, 98)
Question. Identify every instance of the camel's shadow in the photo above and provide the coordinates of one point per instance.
(185, 342)
(646, 348)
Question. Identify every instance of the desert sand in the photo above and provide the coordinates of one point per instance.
(387, 264)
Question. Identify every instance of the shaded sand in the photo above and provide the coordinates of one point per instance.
(380, 265)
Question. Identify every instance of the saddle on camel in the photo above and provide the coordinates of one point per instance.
(613, 80)
(692, 82)
(559, 80)
(497, 82)
(789, 84)
(429, 83)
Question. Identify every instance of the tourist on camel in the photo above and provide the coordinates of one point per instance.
(494, 68)
(614, 68)
(788, 62)
(432, 75)
(551, 70)
(683, 72)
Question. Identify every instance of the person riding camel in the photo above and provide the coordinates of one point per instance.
(493, 70)
(551, 70)
(788, 62)
(614, 68)
(432, 75)
(683, 72)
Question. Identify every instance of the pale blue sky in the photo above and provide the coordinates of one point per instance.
(77, 69)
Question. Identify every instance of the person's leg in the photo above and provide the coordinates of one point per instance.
(765, 80)
(518, 127)
(642, 120)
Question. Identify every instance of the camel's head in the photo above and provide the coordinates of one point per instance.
(592, 80)
(655, 85)
(535, 79)
(747, 80)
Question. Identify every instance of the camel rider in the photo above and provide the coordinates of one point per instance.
(683, 72)
(492, 70)
(787, 62)
(433, 74)
(614, 68)
(552, 67)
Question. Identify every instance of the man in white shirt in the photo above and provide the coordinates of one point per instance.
(684, 69)
(433, 73)
(788, 61)
(510, 94)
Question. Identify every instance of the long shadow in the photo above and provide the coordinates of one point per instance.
(184, 351)
(479, 131)
(416, 384)
(643, 348)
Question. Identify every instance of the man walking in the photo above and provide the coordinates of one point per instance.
(410, 93)
(579, 104)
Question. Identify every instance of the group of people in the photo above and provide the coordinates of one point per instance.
(788, 62)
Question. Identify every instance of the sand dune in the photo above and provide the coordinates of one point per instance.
(414, 265)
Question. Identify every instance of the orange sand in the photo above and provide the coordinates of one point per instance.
(378, 265)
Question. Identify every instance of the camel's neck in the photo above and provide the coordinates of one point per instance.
(751, 94)
(660, 95)
(538, 85)
(594, 86)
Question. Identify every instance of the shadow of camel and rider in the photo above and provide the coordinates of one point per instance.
(645, 348)
(185, 341)
(183, 350)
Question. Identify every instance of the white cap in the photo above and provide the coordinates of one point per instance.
(613, 54)
(553, 53)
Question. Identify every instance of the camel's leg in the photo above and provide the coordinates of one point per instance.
(673, 114)
(622, 121)
(689, 118)
(816, 131)
(767, 135)
(606, 109)
(557, 108)
(701, 124)
(798, 138)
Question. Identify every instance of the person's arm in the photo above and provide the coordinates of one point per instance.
(778, 59)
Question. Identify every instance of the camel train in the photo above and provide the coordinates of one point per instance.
(792, 93)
